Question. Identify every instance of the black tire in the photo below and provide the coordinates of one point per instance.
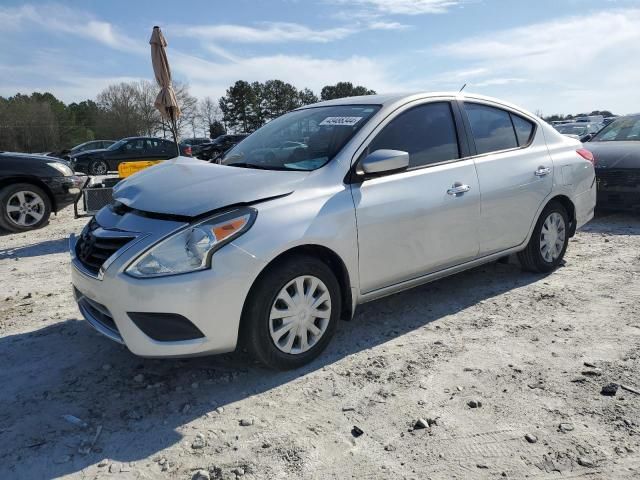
(531, 258)
(11, 220)
(256, 336)
(98, 167)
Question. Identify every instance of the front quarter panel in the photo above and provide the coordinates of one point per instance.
(314, 216)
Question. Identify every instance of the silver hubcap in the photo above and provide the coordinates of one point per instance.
(552, 237)
(300, 314)
(25, 208)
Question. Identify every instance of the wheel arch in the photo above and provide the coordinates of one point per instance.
(569, 207)
(327, 256)
(5, 182)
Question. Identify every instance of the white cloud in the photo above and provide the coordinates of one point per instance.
(407, 7)
(60, 19)
(211, 78)
(381, 25)
(574, 62)
(266, 33)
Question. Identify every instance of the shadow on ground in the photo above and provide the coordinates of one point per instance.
(37, 249)
(59, 370)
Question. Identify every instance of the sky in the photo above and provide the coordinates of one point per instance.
(549, 56)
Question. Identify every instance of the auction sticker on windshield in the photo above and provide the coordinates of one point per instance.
(340, 121)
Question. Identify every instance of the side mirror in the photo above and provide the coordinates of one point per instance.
(384, 160)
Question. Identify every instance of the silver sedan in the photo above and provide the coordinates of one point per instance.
(380, 194)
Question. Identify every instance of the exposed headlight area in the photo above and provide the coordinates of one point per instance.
(62, 168)
(191, 249)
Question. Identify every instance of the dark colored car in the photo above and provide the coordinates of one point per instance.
(221, 144)
(133, 149)
(83, 147)
(616, 149)
(195, 143)
(33, 186)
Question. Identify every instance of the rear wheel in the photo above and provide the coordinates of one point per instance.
(23, 207)
(98, 167)
(291, 313)
(549, 240)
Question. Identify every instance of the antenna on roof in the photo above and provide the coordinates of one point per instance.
(462, 88)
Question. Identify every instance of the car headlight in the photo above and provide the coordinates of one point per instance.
(62, 168)
(191, 248)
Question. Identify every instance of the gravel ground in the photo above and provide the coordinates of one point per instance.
(492, 373)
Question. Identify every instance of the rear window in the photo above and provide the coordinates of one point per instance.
(523, 128)
(491, 128)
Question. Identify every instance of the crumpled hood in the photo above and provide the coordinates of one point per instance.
(190, 187)
(615, 154)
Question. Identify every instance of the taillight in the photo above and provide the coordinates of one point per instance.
(187, 150)
(587, 155)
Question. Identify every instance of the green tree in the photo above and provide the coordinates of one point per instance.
(278, 98)
(241, 107)
(344, 89)
(307, 97)
(216, 128)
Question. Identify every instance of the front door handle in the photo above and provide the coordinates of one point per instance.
(542, 171)
(458, 189)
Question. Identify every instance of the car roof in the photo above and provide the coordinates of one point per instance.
(145, 138)
(390, 99)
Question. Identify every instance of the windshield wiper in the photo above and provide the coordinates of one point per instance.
(256, 166)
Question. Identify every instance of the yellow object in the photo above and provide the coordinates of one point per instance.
(126, 169)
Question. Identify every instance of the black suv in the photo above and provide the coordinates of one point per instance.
(100, 162)
(211, 151)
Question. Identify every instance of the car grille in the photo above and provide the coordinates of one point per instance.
(618, 178)
(96, 245)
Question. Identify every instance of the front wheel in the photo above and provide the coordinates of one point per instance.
(291, 313)
(23, 207)
(548, 243)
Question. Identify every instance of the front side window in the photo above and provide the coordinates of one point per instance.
(427, 132)
(300, 140)
(491, 128)
(623, 129)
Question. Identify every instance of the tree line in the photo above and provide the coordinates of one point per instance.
(40, 122)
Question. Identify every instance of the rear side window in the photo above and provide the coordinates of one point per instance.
(426, 132)
(491, 127)
(523, 128)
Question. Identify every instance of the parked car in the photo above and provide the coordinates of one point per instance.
(390, 191)
(100, 162)
(31, 187)
(195, 144)
(83, 147)
(211, 151)
(616, 149)
(582, 131)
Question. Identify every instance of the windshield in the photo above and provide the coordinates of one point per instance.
(572, 129)
(623, 129)
(117, 145)
(301, 140)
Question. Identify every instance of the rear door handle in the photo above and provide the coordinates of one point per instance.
(542, 171)
(458, 189)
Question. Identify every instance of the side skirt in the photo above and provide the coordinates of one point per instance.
(415, 282)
